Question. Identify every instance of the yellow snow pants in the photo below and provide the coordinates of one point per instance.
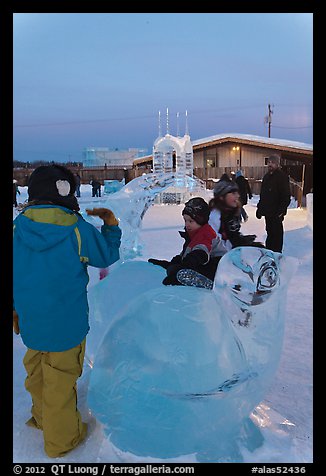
(51, 380)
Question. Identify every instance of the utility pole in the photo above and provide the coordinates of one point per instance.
(268, 119)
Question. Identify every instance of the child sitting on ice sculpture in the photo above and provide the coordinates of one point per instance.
(198, 253)
(224, 218)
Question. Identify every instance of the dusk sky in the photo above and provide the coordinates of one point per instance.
(99, 79)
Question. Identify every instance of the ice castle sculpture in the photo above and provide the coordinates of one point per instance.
(178, 370)
(169, 148)
(130, 202)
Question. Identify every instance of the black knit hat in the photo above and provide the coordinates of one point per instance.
(197, 209)
(223, 187)
(55, 184)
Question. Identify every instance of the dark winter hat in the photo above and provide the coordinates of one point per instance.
(223, 187)
(197, 209)
(275, 158)
(53, 183)
(225, 177)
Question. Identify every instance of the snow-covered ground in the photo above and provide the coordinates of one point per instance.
(285, 415)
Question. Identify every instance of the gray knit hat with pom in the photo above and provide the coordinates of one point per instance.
(223, 187)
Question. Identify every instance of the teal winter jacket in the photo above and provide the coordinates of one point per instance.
(52, 247)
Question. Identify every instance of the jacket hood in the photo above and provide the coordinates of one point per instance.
(43, 227)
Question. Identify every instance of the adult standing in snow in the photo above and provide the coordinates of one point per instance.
(53, 245)
(274, 199)
(15, 191)
(78, 181)
(96, 188)
(244, 190)
(224, 177)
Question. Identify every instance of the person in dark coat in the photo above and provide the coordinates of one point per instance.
(245, 191)
(78, 181)
(96, 188)
(275, 197)
(15, 191)
(225, 177)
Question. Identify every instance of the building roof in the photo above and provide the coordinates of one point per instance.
(260, 141)
(143, 160)
(248, 139)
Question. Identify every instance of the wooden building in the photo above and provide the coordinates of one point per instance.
(222, 153)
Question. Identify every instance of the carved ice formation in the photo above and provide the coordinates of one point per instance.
(178, 370)
(131, 202)
(163, 152)
(129, 205)
(112, 186)
(173, 153)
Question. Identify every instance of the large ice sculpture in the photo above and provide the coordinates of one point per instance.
(179, 369)
(131, 202)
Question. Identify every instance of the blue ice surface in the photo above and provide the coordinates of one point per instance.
(177, 370)
(112, 186)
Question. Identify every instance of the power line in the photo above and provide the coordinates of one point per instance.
(86, 121)
(128, 118)
(89, 121)
(289, 127)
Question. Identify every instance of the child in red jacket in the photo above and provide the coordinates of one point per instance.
(198, 250)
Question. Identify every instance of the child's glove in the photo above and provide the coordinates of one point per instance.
(176, 259)
(160, 262)
(258, 244)
(15, 322)
(250, 237)
(171, 281)
(247, 240)
(104, 213)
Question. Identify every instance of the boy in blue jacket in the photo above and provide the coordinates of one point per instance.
(53, 245)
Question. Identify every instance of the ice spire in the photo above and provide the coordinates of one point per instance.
(159, 124)
(187, 130)
(167, 120)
